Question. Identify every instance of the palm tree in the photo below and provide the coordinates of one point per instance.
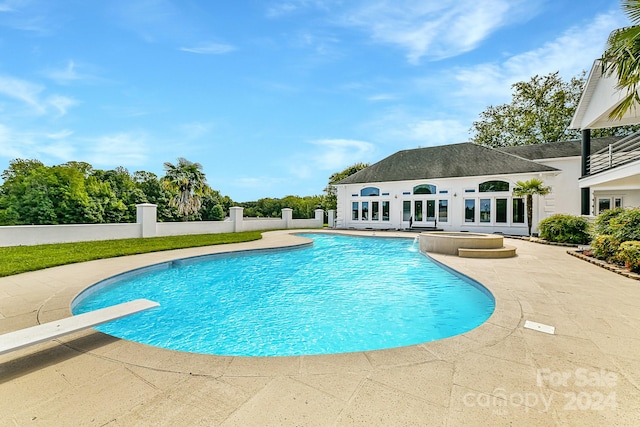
(528, 189)
(187, 183)
(622, 58)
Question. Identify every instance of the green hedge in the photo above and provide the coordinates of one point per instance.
(617, 237)
(629, 254)
(565, 229)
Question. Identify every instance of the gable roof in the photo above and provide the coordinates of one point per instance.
(600, 96)
(445, 161)
(552, 150)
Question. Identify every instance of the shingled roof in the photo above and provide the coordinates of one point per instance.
(552, 150)
(445, 161)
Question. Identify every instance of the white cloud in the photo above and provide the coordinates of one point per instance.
(210, 49)
(22, 90)
(61, 104)
(437, 132)
(333, 154)
(435, 29)
(321, 45)
(118, 149)
(30, 94)
(382, 97)
(9, 145)
(54, 146)
(70, 73)
(8, 5)
(573, 51)
(399, 127)
(63, 134)
(195, 130)
(279, 8)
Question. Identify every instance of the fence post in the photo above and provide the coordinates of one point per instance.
(146, 216)
(287, 216)
(235, 213)
(332, 218)
(320, 216)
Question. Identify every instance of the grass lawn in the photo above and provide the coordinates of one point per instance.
(20, 259)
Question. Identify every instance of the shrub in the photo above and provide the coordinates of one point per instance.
(605, 247)
(629, 254)
(565, 229)
(626, 225)
(602, 223)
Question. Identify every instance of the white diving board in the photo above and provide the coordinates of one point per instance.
(52, 330)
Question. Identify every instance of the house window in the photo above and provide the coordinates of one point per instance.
(354, 210)
(485, 210)
(501, 210)
(418, 210)
(406, 210)
(424, 189)
(518, 211)
(491, 186)
(375, 207)
(617, 202)
(431, 210)
(469, 210)
(443, 210)
(365, 211)
(385, 211)
(370, 192)
(470, 190)
(604, 204)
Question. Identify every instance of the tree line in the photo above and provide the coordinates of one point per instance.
(77, 193)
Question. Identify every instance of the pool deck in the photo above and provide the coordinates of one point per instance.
(587, 373)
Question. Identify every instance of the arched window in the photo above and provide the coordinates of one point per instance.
(491, 186)
(424, 189)
(369, 192)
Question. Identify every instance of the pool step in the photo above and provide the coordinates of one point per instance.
(503, 252)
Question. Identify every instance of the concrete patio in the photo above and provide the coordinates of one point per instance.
(500, 373)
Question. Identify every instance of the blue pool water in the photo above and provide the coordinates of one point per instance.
(341, 294)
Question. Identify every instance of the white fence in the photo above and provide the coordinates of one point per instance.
(147, 226)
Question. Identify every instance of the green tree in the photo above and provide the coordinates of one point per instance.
(37, 194)
(155, 192)
(211, 209)
(126, 191)
(540, 111)
(186, 181)
(528, 189)
(622, 58)
(330, 197)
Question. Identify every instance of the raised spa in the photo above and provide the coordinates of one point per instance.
(469, 245)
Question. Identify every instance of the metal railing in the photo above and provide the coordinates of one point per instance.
(623, 151)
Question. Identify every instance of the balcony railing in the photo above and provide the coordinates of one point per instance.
(623, 151)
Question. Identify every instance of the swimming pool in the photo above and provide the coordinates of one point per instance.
(341, 294)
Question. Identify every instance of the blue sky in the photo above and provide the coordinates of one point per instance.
(271, 96)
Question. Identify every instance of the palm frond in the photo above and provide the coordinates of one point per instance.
(631, 8)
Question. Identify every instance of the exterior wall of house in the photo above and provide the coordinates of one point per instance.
(616, 187)
(455, 204)
(565, 195)
(603, 199)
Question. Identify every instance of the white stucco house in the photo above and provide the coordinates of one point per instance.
(467, 187)
(462, 187)
(610, 175)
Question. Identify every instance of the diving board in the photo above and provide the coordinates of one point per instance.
(52, 330)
